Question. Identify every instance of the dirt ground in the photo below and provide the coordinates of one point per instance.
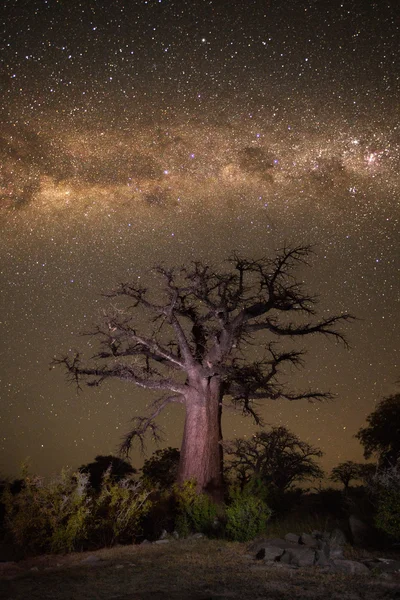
(180, 570)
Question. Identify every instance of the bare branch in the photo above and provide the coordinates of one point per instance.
(124, 372)
(143, 426)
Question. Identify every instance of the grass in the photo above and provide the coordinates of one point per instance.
(184, 569)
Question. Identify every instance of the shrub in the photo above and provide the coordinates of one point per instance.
(247, 513)
(65, 515)
(118, 510)
(386, 489)
(47, 517)
(196, 513)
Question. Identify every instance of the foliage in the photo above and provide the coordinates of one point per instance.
(118, 510)
(118, 469)
(382, 434)
(349, 470)
(386, 489)
(65, 514)
(196, 513)
(48, 517)
(161, 469)
(277, 456)
(247, 514)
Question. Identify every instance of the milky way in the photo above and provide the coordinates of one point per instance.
(150, 132)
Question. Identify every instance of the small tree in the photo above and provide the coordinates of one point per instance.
(346, 472)
(277, 457)
(192, 345)
(116, 468)
(382, 434)
(161, 469)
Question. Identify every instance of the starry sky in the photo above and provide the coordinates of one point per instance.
(140, 132)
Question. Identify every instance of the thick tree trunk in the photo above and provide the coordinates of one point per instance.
(201, 451)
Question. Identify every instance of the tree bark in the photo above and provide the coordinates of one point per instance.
(201, 451)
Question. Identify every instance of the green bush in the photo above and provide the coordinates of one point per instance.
(247, 513)
(118, 511)
(196, 513)
(388, 514)
(384, 489)
(47, 517)
(64, 514)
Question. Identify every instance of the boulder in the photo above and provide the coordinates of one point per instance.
(323, 554)
(91, 559)
(350, 566)
(307, 539)
(383, 565)
(292, 537)
(299, 557)
(337, 540)
(269, 553)
(360, 531)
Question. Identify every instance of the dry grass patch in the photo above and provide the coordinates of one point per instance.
(186, 569)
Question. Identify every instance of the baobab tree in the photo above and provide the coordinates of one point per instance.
(276, 456)
(196, 329)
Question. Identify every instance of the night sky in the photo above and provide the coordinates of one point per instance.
(135, 133)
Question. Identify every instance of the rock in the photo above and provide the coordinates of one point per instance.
(350, 566)
(119, 566)
(269, 553)
(35, 569)
(337, 538)
(91, 559)
(164, 535)
(383, 565)
(275, 542)
(360, 531)
(323, 554)
(175, 535)
(163, 541)
(197, 536)
(292, 537)
(308, 540)
(145, 542)
(300, 557)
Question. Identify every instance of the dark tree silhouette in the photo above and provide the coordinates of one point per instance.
(381, 436)
(349, 471)
(278, 457)
(119, 469)
(161, 469)
(200, 324)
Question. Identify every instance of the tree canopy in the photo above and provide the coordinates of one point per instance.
(119, 469)
(161, 469)
(189, 337)
(348, 471)
(278, 457)
(382, 434)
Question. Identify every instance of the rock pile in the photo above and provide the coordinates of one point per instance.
(319, 550)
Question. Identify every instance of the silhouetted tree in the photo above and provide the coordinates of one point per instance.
(161, 469)
(381, 437)
(349, 471)
(278, 457)
(119, 469)
(195, 331)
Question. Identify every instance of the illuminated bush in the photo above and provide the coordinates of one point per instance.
(386, 488)
(247, 514)
(196, 513)
(63, 514)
